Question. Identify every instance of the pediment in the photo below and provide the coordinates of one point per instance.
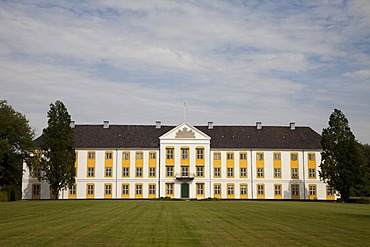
(185, 131)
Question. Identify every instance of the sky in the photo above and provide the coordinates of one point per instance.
(232, 62)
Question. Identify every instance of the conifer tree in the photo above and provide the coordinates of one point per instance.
(340, 159)
(58, 149)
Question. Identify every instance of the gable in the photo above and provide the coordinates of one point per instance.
(184, 131)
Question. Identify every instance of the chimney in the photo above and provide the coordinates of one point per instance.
(72, 124)
(106, 125)
(292, 125)
(259, 125)
(210, 125)
(157, 124)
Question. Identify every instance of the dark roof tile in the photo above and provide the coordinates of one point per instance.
(147, 136)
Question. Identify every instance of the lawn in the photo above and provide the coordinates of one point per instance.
(183, 223)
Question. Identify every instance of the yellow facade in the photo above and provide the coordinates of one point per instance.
(277, 164)
(244, 187)
(230, 164)
(185, 156)
(243, 164)
(91, 162)
(126, 163)
(230, 191)
(125, 191)
(138, 190)
(217, 191)
(311, 166)
(152, 191)
(108, 191)
(199, 161)
(260, 191)
(108, 163)
(72, 192)
(170, 155)
(294, 164)
(90, 191)
(278, 191)
(260, 164)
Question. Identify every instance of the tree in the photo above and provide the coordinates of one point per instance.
(58, 149)
(16, 145)
(363, 189)
(340, 159)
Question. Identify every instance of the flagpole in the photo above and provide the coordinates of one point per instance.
(185, 111)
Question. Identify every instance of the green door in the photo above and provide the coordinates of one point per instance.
(184, 190)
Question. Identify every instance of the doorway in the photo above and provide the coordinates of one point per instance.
(184, 190)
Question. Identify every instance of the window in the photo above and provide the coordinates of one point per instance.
(243, 156)
(139, 189)
(243, 172)
(230, 156)
(216, 156)
(169, 171)
(139, 171)
(184, 171)
(243, 189)
(36, 189)
(91, 155)
(277, 156)
(293, 156)
(108, 171)
(126, 156)
(125, 172)
(260, 189)
(125, 189)
(260, 172)
(277, 172)
(199, 171)
(169, 189)
(185, 153)
(217, 189)
(152, 156)
(108, 156)
(72, 190)
(200, 153)
(90, 171)
(311, 173)
(169, 153)
(139, 156)
(294, 172)
(278, 189)
(230, 172)
(90, 189)
(312, 190)
(200, 189)
(151, 189)
(36, 172)
(295, 189)
(230, 189)
(311, 157)
(151, 171)
(217, 172)
(259, 156)
(108, 189)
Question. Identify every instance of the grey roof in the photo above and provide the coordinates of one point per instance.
(147, 136)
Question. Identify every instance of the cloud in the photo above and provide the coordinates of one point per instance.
(230, 61)
(360, 74)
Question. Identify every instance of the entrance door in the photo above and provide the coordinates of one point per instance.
(184, 190)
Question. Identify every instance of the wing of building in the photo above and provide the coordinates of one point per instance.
(196, 162)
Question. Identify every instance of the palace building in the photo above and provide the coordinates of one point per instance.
(191, 162)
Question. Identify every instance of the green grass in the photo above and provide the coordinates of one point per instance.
(183, 223)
